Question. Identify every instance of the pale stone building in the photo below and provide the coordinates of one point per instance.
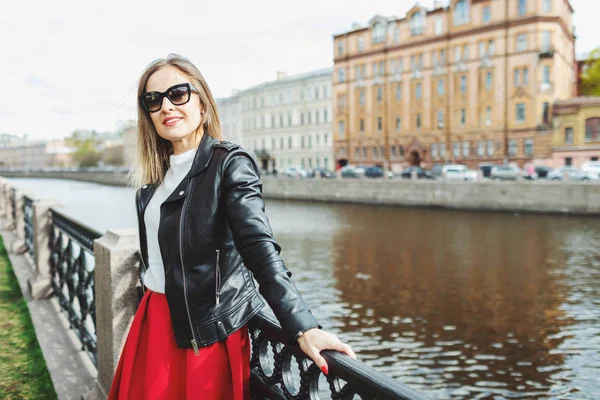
(287, 122)
(472, 82)
(230, 118)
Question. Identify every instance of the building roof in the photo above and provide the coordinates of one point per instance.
(289, 79)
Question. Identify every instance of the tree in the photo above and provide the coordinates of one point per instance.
(590, 76)
(85, 143)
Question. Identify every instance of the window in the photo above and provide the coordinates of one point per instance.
(528, 147)
(434, 151)
(398, 124)
(357, 153)
(302, 119)
(341, 128)
(522, 42)
(375, 152)
(360, 44)
(456, 149)
(341, 74)
(488, 80)
(379, 94)
(442, 149)
(463, 117)
(488, 116)
(545, 112)
(401, 65)
(416, 24)
(378, 33)
(309, 141)
(309, 114)
(490, 148)
(413, 64)
(438, 26)
(325, 139)
(546, 41)
(512, 147)
(289, 119)
(592, 129)
(440, 119)
(481, 149)
(487, 15)
(520, 112)
(317, 140)
(463, 84)
(362, 125)
(522, 7)
(317, 93)
(289, 142)
(466, 52)
(325, 116)
(418, 122)
(379, 124)
(525, 76)
(465, 149)
(398, 92)
(375, 72)
(568, 161)
(546, 75)
(440, 87)
(418, 91)
(362, 97)
(302, 142)
(517, 78)
(481, 49)
(317, 117)
(381, 68)
(281, 143)
(434, 58)
(272, 121)
(393, 151)
(396, 34)
(461, 12)
(457, 54)
(491, 48)
(364, 152)
(443, 57)
(280, 120)
(547, 5)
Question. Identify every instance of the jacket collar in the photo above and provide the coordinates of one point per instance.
(203, 154)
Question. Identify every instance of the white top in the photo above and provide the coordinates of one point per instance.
(179, 167)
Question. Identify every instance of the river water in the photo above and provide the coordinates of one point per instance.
(456, 305)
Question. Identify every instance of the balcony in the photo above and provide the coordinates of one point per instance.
(547, 51)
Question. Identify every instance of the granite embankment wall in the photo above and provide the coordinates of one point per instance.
(535, 197)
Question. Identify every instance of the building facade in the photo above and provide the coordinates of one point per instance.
(230, 118)
(287, 122)
(576, 132)
(471, 83)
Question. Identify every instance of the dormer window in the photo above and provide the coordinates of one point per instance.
(378, 33)
(417, 26)
(462, 13)
(360, 44)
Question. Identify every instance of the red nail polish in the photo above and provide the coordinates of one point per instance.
(325, 370)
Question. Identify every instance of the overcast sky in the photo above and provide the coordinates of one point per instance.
(74, 64)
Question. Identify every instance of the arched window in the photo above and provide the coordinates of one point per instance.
(416, 24)
(592, 129)
(462, 12)
(378, 33)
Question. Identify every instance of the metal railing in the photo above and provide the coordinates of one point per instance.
(28, 225)
(72, 264)
(274, 374)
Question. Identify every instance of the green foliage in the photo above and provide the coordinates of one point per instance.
(24, 373)
(85, 145)
(590, 78)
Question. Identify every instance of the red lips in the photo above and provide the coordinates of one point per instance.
(171, 120)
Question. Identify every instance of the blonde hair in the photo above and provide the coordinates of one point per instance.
(152, 160)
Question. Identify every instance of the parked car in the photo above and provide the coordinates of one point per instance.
(591, 167)
(421, 173)
(295, 172)
(352, 171)
(458, 172)
(486, 169)
(572, 174)
(511, 173)
(436, 170)
(542, 172)
(322, 173)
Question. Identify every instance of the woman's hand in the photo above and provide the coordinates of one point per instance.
(315, 340)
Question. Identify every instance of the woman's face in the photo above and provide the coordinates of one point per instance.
(175, 123)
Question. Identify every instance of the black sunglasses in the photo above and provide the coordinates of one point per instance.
(178, 95)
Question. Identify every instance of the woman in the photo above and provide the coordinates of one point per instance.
(203, 229)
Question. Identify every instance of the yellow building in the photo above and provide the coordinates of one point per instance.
(471, 83)
(576, 136)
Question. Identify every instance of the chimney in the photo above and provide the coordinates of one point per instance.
(355, 26)
(281, 75)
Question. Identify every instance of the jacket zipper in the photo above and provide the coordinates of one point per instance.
(194, 342)
(218, 278)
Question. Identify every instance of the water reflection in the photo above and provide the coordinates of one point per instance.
(457, 305)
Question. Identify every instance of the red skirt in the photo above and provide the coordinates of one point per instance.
(153, 367)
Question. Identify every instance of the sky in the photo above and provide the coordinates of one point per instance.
(74, 64)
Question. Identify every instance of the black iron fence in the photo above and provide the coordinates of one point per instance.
(72, 268)
(28, 225)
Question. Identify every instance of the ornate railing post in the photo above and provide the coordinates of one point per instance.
(3, 184)
(8, 206)
(116, 275)
(40, 285)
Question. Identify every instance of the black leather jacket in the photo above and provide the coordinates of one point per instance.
(213, 231)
